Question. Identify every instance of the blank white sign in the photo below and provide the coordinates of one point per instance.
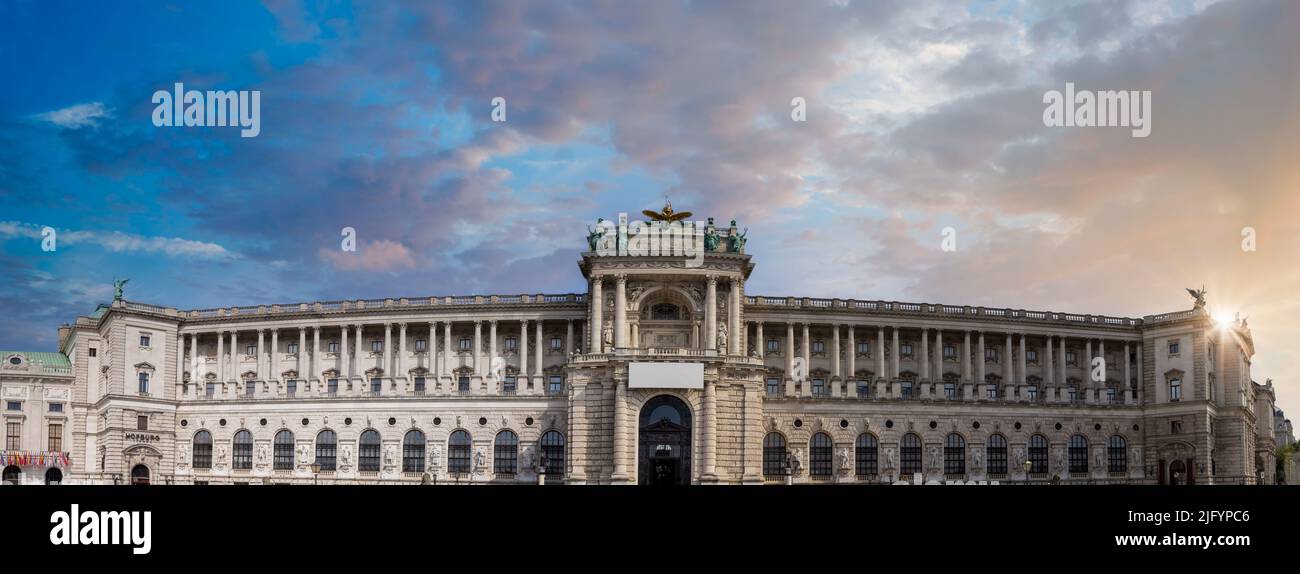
(665, 376)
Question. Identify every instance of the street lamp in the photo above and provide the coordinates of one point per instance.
(315, 472)
(1028, 466)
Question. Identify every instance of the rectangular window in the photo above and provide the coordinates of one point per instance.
(1069, 358)
(864, 348)
(1175, 427)
(819, 346)
(864, 389)
(906, 388)
(144, 340)
(556, 344)
(1173, 347)
(419, 385)
(421, 345)
(56, 437)
(212, 390)
(14, 436)
(1111, 395)
(142, 422)
(462, 384)
(332, 347)
(950, 391)
(509, 385)
(773, 346)
(819, 388)
(293, 348)
(1175, 389)
(991, 355)
(555, 385)
(144, 382)
(250, 350)
(1032, 392)
(512, 344)
(376, 386)
(332, 387)
(466, 344)
(376, 346)
(991, 392)
(94, 352)
(13, 405)
(1073, 393)
(1031, 356)
(290, 388)
(56, 407)
(250, 387)
(773, 386)
(905, 350)
(949, 352)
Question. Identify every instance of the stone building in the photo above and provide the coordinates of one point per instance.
(665, 371)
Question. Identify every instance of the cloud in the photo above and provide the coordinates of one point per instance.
(77, 116)
(118, 242)
(381, 255)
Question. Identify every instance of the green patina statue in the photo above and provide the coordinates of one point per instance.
(595, 235)
(711, 239)
(117, 288)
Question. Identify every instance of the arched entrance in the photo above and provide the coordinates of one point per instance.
(140, 474)
(53, 476)
(12, 475)
(665, 442)
(1177, 472)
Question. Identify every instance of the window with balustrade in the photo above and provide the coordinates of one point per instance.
(773, 386)
(505, 453)
(996, 453)
(819, 388)
(1078, 454)
(458, 447)
(376, 386)
(241, 456)
(368, 457)
(909, 454)
(413, 451)
(419, 385)
(822, 452)
(954, 455)
(332, 387)
(866, 455)
(282, 457)
(864, 389)
(509, 384)
(905, 389)
(774, 454)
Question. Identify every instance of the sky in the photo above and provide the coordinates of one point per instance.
(920, 115)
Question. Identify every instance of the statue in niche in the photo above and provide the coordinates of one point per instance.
(889, 459)
(1100, 458)
(183, 454)
(608, 336)
(722, 335)
(390, 455)
(1060, 459)
(1137, 457)
(346, 459)
(304, 454)
(1020, 456)
(261, 454)
(844, 459)
(977, 458)
(936, 463)
(480, 459)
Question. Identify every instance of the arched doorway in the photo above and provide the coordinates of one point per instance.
(1177, 472)
(140, 474)
(665, 442)
(53, 476)
(12, 475)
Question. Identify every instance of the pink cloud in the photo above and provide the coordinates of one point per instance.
(382, 255)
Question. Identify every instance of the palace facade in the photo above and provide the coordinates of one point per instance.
(664, 372)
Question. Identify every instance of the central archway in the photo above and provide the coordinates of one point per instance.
(665, 442)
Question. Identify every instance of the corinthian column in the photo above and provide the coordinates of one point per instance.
(597, 342)
(711, 314)
(735, 333)
(620, 311)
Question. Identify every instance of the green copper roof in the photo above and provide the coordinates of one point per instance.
(47, 359)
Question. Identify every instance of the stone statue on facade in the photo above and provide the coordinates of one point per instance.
(183, 454)
(711, 239)
(1060, 460)
(1100, 457)
(346, 459)
(936, 463)
(304, 454)
(735, 240)
(390, 455)
(889, 459)
(117, 288)
(844, 459)
(608, 336)
(1137, 457)
(594, 236)
(1199, 296)
(722, 335)
(977, 458)
(1020, 456)
(480, 459)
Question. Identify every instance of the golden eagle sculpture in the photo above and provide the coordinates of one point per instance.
(667, 213)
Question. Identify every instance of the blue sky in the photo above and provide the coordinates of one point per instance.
(921, 115)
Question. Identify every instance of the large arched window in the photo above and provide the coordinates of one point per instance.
(553, 451)
(866, 454)
(1116, 454)
(505, 453)
(458, 452)
(1037, 454)
(326, 448)
(774, 454)
(12, 474)
(909, 454)
(241, 457)
(1078, 454)
(368, 451)
(413, 451)
(283, 456)
(202, 450)
(996, 453)
(822, 451)
(954, 455)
